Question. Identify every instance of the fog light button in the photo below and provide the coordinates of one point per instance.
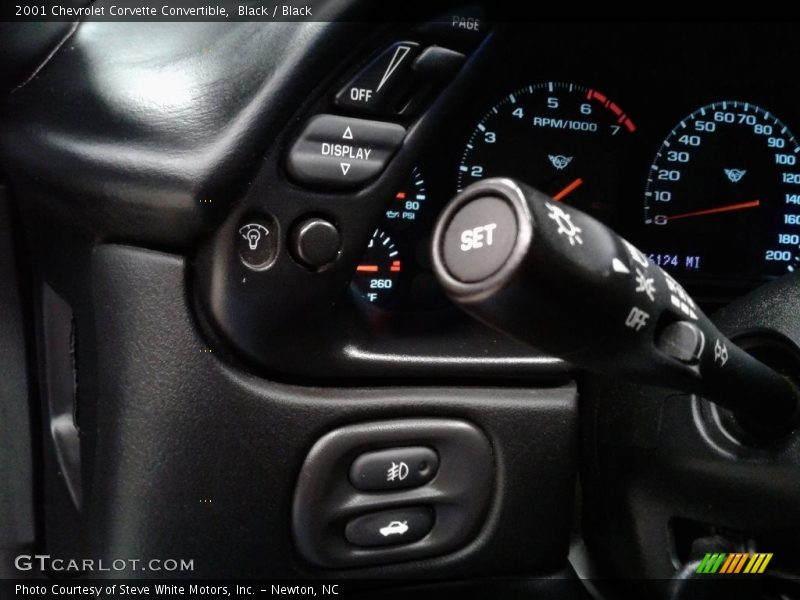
(394, 468)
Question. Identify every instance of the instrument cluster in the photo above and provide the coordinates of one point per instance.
(680, 137)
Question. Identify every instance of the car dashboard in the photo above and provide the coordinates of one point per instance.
(238, 346)
(686, 150)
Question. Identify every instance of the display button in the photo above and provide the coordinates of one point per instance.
(380, 86)
(342, 152)
(479, 239)
(390, 527)
(395, 468)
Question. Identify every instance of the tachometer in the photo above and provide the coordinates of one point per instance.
(567, 140)
(723, 195)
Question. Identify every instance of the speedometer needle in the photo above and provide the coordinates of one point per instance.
(713, 211)
(568, 190)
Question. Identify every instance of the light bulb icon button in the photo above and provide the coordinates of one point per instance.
(253, 233)
(257, 243)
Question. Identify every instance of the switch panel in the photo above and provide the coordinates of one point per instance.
(357, 502)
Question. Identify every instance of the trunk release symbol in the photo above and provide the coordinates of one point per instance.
(394, 528)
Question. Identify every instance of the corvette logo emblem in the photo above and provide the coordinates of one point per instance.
(559, 161)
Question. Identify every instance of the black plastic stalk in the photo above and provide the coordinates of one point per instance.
(558, 279)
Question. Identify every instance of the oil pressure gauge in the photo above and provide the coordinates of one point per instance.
(408, 202)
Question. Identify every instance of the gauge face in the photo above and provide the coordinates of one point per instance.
(408, 202)
(395, 270)
(378, 273)
(563, 139)
(723, 195)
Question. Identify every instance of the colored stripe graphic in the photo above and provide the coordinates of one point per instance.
(758, 563)
(703, 567)
(732, 558)
(739, 566)
(711, 563)
(734, 563)
(721, 562)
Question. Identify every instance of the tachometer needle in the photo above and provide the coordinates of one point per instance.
(568, 190)
(367, 268)
(713, 211)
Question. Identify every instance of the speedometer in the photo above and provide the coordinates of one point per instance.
(569, 141)
(723, 195)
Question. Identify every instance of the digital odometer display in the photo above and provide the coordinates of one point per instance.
(723, 195)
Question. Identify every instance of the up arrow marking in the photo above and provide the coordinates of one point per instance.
(345, 168)
(347, 135)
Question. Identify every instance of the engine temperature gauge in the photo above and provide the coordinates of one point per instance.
(379, 270)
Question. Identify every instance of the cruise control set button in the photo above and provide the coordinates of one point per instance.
(342, 152)
(479, 239)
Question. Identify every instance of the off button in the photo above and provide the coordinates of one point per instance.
(479, 239)
(341, 152)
